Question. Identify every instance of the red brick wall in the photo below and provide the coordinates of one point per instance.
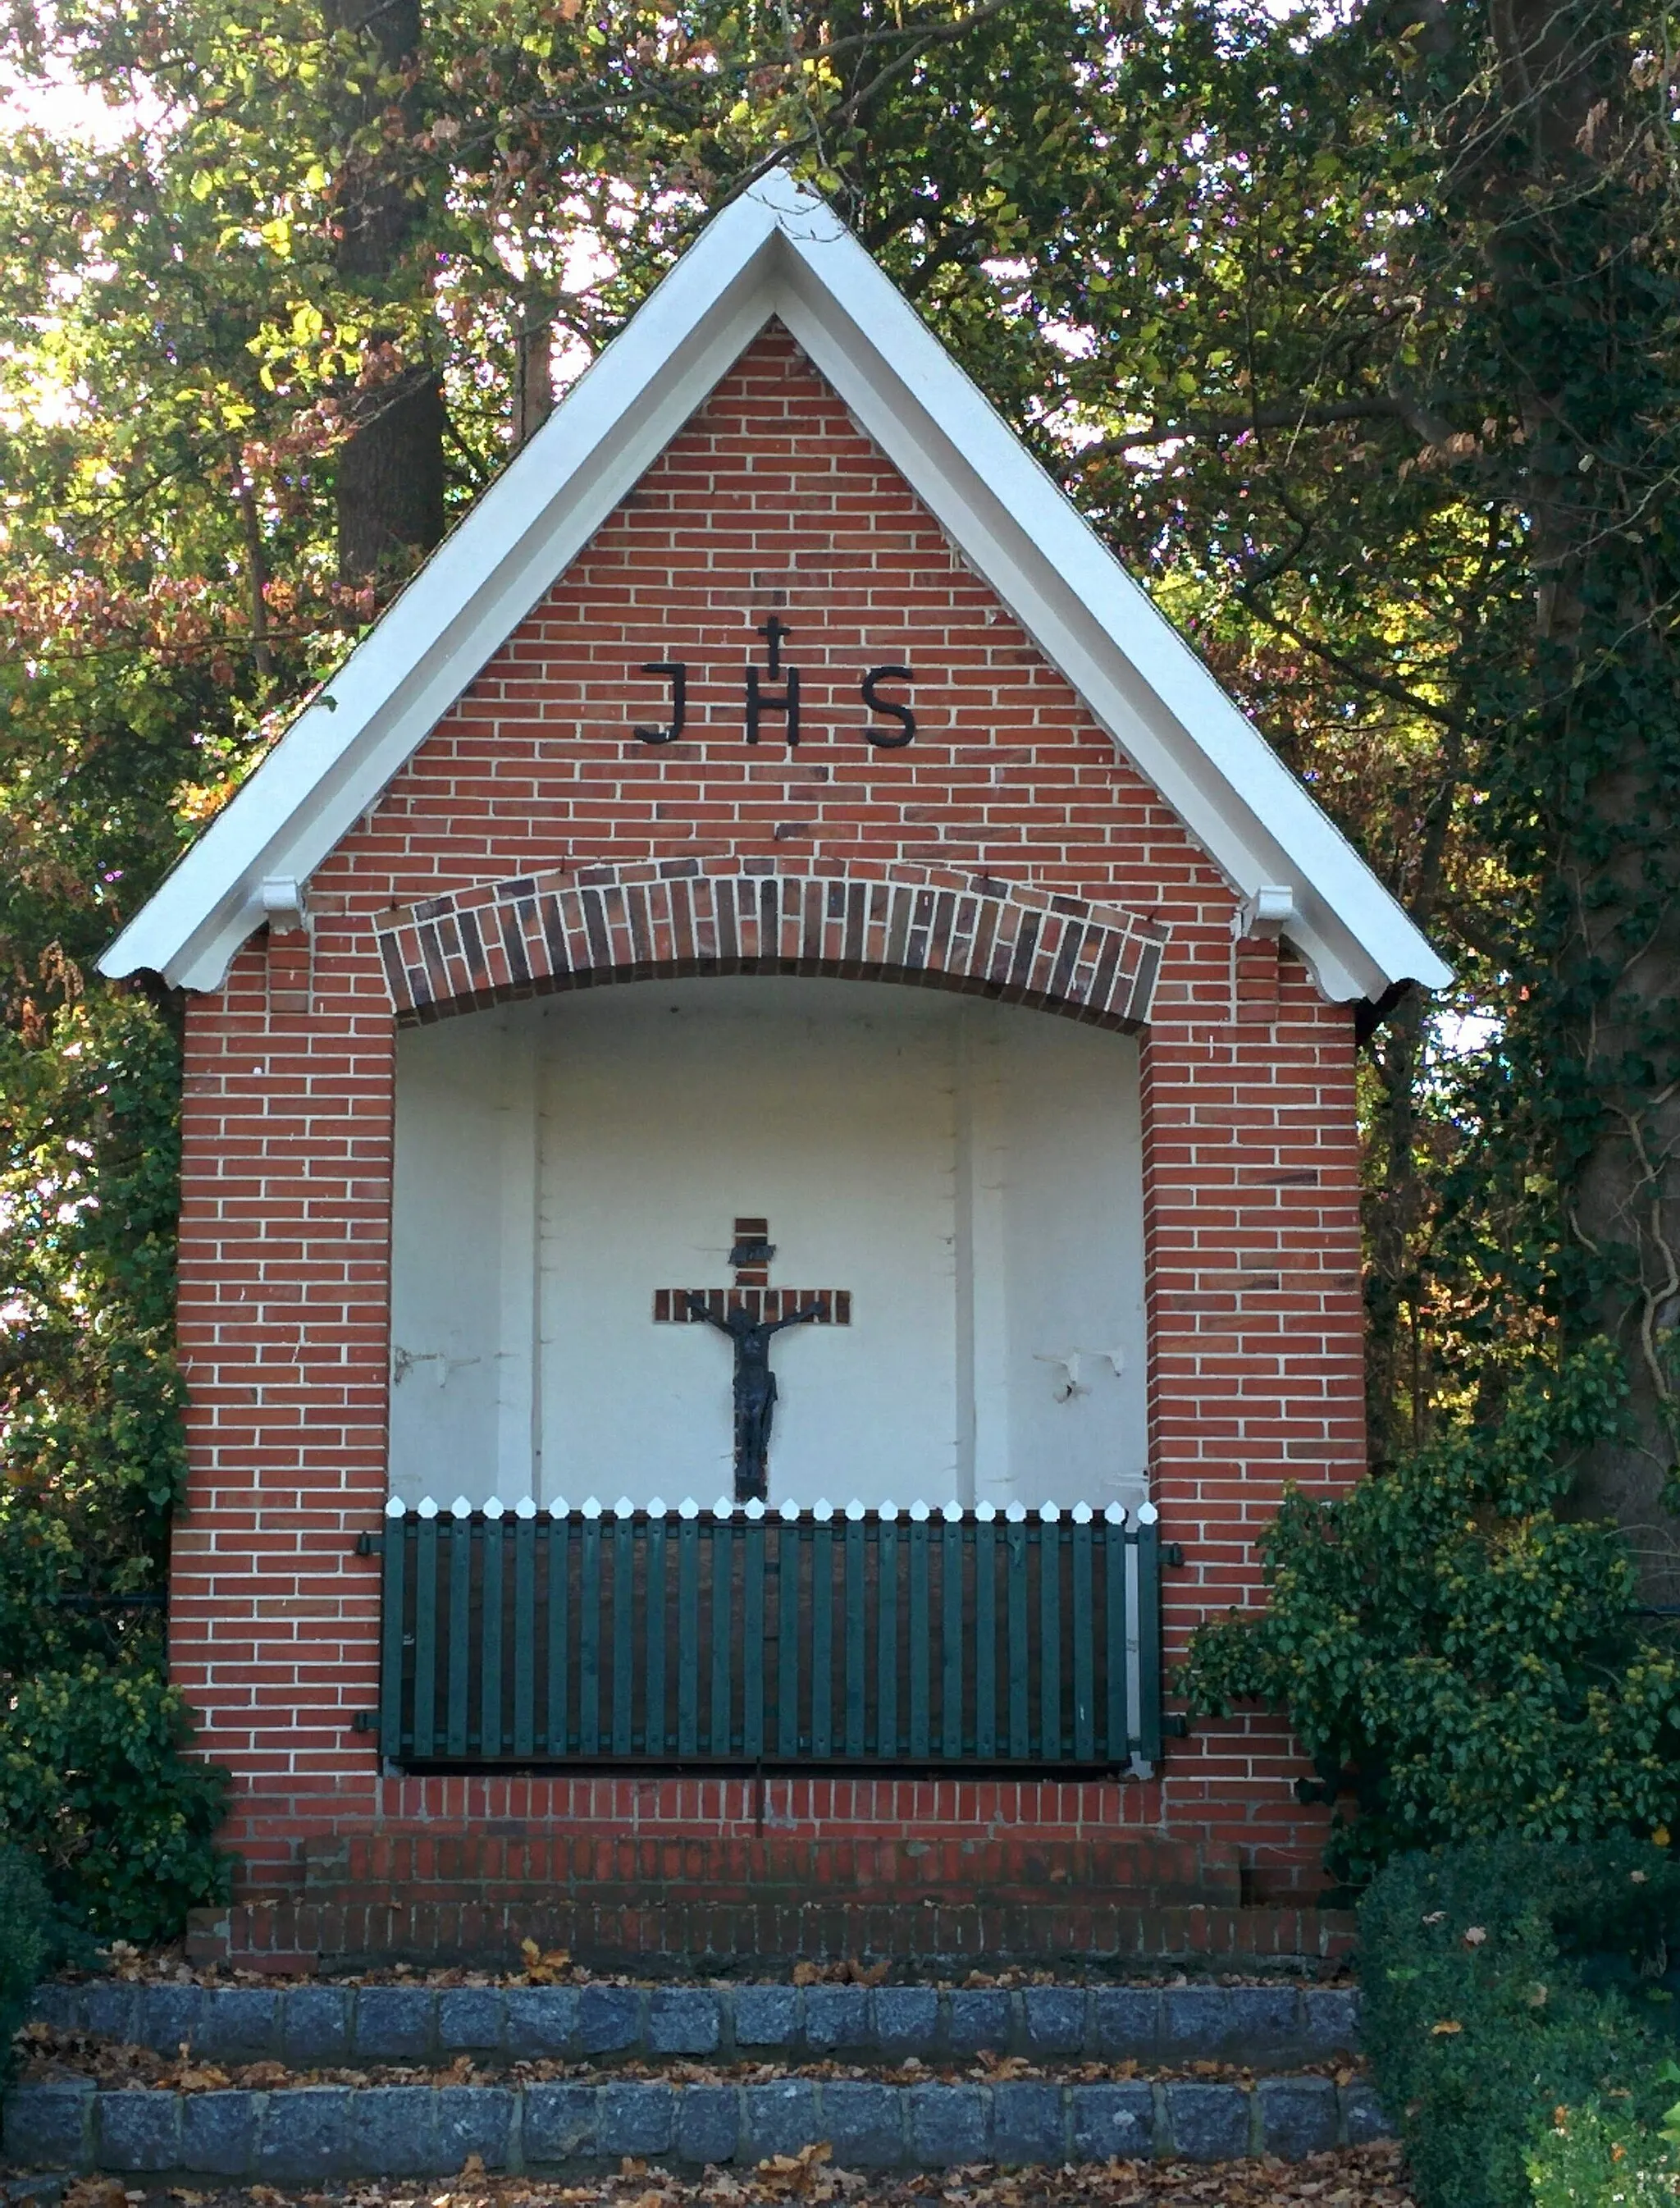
(771, 498)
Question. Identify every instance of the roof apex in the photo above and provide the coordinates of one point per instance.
(777, 249)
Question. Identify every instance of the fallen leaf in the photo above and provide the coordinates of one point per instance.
(1445, 2030)
(473, 2167)
(95, 2192)
(208, 2080)
(1475, 1937)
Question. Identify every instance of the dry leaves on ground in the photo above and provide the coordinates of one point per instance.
(45, 2056)
(1353, 2177)
(168, 1965)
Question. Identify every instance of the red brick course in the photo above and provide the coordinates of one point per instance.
(770, 498)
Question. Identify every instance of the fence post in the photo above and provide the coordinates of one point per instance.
(1149, 1633)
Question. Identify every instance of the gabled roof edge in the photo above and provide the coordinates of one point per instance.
(778, 250)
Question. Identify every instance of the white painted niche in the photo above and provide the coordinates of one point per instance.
(970, 1171)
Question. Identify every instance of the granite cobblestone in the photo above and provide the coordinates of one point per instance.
(304, 2134)
(317, 2026)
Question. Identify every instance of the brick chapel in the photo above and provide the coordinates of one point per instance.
(770, 1201)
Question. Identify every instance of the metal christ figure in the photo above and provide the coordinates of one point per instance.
(755, 1385)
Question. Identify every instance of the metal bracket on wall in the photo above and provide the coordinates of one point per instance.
(370, 1544)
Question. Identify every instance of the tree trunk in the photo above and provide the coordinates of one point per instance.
(1569, 179)
(390, 476)
(533, 375)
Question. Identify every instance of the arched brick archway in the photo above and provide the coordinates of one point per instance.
(905, 923)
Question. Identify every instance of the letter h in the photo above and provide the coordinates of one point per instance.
(784, 701)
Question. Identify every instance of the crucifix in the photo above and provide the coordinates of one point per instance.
(751, 1313)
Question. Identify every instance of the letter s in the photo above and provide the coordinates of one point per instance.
(877, 704)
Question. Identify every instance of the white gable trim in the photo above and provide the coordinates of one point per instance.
(778, 250)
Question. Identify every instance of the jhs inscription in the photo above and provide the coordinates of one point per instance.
(774, 691)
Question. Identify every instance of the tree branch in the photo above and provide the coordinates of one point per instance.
(1282, 415)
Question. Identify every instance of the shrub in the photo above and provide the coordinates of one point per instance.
(1590, 2159)
(1507, 1979)
(92, 1782)
(1457, 1656)
(24, 1943)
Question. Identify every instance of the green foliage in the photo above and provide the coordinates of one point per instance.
(1596, 2157)
(1453, 1651)
(88, 1191)
(92, 1781)
(24, 1944)
(1486, 2009)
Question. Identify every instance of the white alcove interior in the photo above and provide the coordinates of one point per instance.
(971, 1171)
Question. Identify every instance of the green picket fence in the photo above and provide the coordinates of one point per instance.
(687, 1637)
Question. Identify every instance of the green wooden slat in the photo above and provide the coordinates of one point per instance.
(655, 1735)
(1117, 1745)
(392, 1573)
(921, 1653)
(425, 1638)
(857, 1657)
(491, 1542)
(1084, 1669)
(1051, 1746)
(985, 1640)
(720, 1740)
(886, 1639)
(951, 1638)
(752, 1640)
(558, 1609)
(624, 1631)
(461, 1646)
(687, 1637)
(589, 1639)
(470, 1694)
(822, 1640)
(788, 1615)
(524, 1637)
(1149, 1635)
(1019, 1658)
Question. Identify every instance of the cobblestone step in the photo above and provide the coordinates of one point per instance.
(316, 2025)
(314, 2134)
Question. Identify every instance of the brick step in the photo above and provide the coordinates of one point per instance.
(307, 2135)
(707, 1937)
(323, 2025)
(626, 1870)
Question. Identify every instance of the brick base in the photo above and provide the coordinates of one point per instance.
(785, 1870)
(709, 1903)
(765, 1939)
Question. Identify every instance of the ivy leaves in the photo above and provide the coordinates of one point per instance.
(1458, 1656)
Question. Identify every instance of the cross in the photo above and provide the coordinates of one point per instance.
(751, 1313)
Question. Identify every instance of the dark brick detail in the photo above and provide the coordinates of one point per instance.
(900, 922)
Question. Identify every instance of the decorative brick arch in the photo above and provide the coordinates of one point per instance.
(539, 933)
